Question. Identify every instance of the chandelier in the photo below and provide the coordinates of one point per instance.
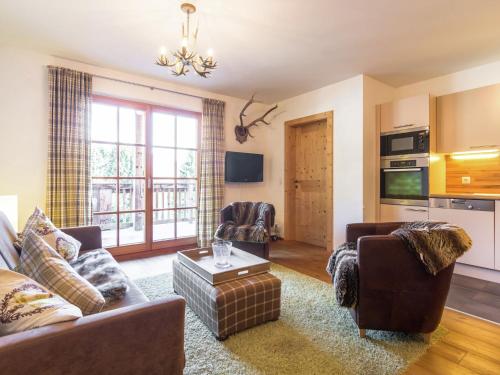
(185, 56)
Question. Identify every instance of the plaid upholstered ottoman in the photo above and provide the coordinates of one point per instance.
(232, 306)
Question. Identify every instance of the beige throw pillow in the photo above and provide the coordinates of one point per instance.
(42, 263)
(25, 304)
(61, 242)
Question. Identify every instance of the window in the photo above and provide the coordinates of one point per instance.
(175, 175)
(144, 169)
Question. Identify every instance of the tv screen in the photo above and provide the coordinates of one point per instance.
(244, 167)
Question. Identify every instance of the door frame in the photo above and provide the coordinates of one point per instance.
(289, 230)
(150, 247)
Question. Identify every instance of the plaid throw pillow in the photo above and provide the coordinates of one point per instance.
(43, 264)
(63, 243)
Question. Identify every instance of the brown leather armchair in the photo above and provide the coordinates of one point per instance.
(395, 291)
(248, 226)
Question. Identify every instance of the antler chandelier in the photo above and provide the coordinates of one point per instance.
(185, 57)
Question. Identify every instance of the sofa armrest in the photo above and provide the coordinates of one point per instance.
(226, 214)
(90, 236)
(141, 339)
(354, 231)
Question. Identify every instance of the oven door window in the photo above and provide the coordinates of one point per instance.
(403, 144)
(404, 184)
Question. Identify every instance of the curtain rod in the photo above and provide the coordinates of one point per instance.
(147, 86)
(142, 85)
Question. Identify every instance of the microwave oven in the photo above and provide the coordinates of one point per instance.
(405, 142)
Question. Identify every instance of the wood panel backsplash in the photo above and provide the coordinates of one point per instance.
(484, 175)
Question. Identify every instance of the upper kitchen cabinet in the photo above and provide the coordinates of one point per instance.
(469, 120)
(405, 114)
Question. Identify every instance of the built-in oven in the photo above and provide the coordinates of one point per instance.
(405, 142)
(404, 180)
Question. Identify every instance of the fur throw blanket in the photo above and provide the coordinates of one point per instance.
(101, 270)
(249, 233)
(437, 244)
(343, 268)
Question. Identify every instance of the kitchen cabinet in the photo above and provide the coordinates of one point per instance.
(479, 225)
(469, 120)
(393, 212)
(497, 235)
(405, 114)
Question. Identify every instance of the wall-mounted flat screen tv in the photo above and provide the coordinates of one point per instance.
(244, 167)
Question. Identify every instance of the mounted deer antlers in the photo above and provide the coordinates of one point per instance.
(242, 131)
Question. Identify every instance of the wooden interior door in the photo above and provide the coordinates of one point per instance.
(309, 190)
(310, 181)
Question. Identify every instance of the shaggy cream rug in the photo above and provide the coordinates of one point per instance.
(312, 336)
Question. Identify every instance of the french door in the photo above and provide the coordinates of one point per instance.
(144, 175)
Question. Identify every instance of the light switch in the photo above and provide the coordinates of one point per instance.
(465, 180)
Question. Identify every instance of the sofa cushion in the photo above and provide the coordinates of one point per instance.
(42, 263)
(63, 243)
(100, 269)
(25, 304)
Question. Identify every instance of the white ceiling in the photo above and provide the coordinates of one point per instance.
(277, 48)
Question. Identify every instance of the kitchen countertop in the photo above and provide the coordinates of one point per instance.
(467, 196)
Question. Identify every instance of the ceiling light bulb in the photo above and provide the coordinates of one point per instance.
(178, 67)
(163, 51)
(184, 42)
(210, 52)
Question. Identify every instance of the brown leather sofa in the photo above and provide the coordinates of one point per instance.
(395, 291)
(133, 336)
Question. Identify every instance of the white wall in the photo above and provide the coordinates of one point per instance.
(468, 79)
(374, 93)
(23, 128)
(24, 125)
(345, 99)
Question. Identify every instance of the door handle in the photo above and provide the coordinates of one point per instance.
(402, 170)
(416, 210)
(403, 126)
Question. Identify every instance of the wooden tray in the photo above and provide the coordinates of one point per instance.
(243, 264)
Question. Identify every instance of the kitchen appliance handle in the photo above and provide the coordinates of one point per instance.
(416, 210)
(402, 169)
(484, 146)
(403, 126)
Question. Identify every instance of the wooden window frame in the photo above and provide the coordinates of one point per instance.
(149, 245)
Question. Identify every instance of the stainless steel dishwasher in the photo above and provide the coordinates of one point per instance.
(477, 217)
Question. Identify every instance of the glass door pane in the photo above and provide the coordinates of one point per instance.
(163, 176)
(187, 132)
(186, 223)
(132, 176)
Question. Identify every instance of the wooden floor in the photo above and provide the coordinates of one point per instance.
(472, 345)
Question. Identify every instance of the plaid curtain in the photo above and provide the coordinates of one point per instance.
(211, 170)
(68, 180)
